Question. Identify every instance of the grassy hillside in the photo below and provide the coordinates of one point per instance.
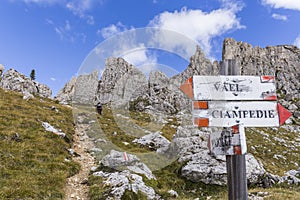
(34, 163)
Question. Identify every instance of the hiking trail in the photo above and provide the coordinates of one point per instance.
(77, 185)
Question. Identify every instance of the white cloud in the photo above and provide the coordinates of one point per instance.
(53, 79)
(297, 41)
(42, 1)
(140, 56)
(49, 21)
(198, 25)
(67, 26)
(287, 4)
(112, 29)
(90, 20)
(280, 17)
(79, 8)
(178, 32)
(64, 31)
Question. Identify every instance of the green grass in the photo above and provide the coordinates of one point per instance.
(170, 178)
(279, 192)
(270, 145)
(33, 166)
(109, 127)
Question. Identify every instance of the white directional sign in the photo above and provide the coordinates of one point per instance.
(234, 88)
(225, 114)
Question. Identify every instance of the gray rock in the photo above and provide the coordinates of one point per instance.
(130, 86)
(113, 84)
(119, 182)
(85, 89)
(27, 96)
(65, 95)
(202, 166)
(291, 177)
(292, 107)
(50, 128)
(173, 193)
(15, 81)
(199, 65)
(153, 141)
(122, 160)
(297, 114)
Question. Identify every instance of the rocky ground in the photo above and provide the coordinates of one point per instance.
(76, 187)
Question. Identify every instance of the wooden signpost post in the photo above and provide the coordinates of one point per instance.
(234, 102)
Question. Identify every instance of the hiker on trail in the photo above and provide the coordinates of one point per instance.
(99, 108)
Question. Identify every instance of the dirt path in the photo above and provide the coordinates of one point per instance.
(76, 187)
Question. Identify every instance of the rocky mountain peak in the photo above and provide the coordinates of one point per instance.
(15, 81)
(116, 75)
(282, 61)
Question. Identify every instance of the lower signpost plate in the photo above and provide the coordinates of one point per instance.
(229, 141)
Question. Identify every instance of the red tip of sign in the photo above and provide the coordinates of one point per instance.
(272, 97)
(187, 87)
(283, 113)
(265, 79)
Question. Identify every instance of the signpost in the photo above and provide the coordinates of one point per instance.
(234, 102)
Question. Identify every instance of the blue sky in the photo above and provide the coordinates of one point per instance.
(55, 36)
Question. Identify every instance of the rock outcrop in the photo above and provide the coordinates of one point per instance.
(199, 65)
(120, 82)
(15, 81)
(85, 88)
(122, 160)
(65, 95)
(118, 182)
(201, 166)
